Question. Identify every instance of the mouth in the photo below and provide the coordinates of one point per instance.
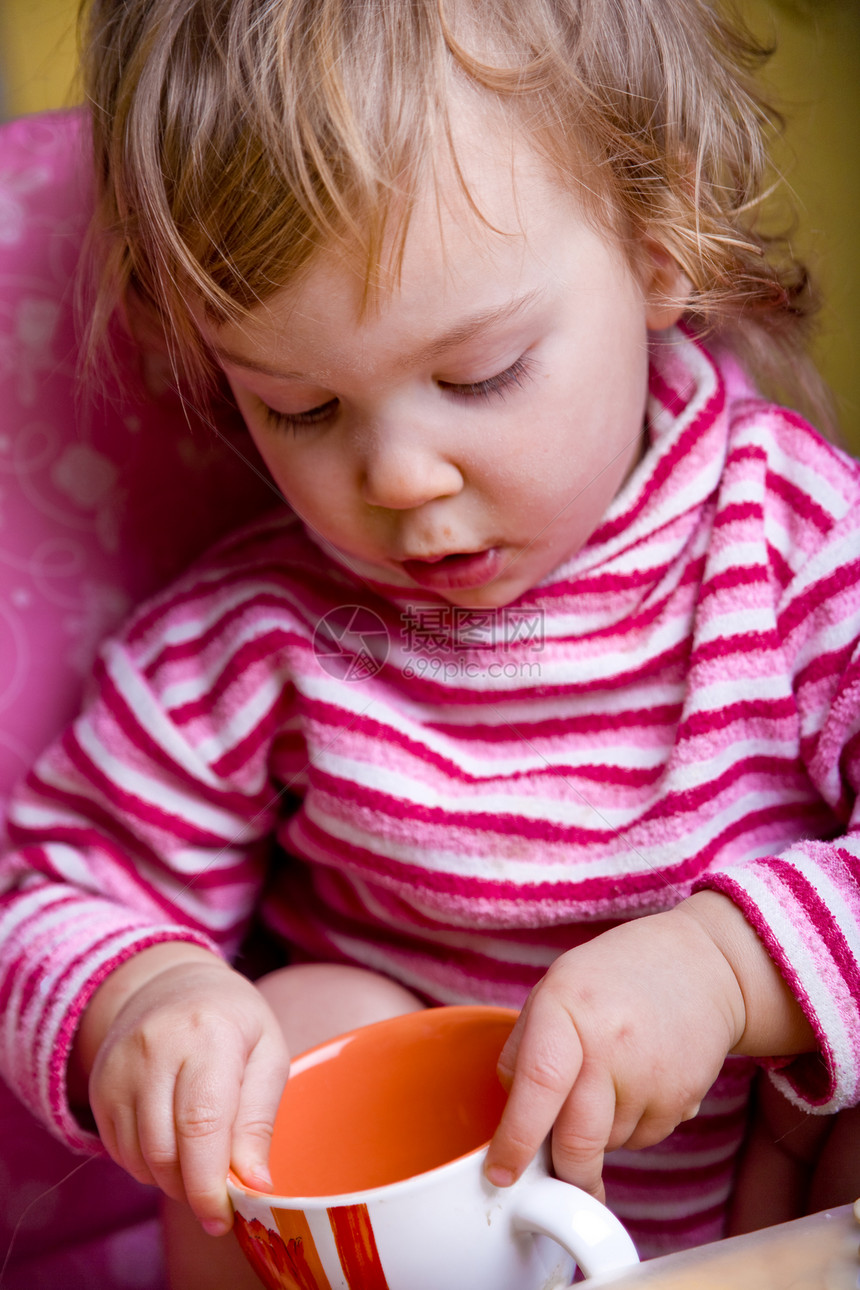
(457, 570)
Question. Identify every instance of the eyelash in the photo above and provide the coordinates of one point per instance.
(515, 375)
(498, 385)
(298, 421)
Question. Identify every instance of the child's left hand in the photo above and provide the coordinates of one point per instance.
(622, 1038)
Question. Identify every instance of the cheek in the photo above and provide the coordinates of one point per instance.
(278, 454)
(575, 469)
(296, 484)
(273, 455)
(583, 433)
(313, 482)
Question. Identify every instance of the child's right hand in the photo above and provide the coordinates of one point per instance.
(183, 1063)
(623, 1037)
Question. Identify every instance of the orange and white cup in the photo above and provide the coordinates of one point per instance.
(377, 1163)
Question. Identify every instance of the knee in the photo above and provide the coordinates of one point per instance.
(316, 1001)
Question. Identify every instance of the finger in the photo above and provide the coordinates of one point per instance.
(156, 1129)
(118, 1132)
(656, 1125)
(508, 1057)
(583, 1131)
(205, 1105)
(548, 1060)
(262, 1086)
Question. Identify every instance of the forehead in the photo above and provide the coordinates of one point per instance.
(488, 200)
(479, 237)
(460, 247)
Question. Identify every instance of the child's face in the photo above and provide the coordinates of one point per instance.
(467, 432)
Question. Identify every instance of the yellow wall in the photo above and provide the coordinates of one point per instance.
(816, 72)
(37, 54)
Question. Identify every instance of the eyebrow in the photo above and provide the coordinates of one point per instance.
(459, 334)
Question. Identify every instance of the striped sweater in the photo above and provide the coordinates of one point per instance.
(454, 797)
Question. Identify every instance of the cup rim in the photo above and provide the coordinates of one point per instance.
(302, 1060)
(486, 1010)
(365, 1196)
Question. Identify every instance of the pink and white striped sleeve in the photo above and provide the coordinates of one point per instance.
(122, 836)
(805, 903)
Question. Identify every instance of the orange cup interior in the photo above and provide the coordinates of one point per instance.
(390, 1101)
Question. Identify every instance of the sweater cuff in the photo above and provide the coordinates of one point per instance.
(800, 915)
(40, 1030)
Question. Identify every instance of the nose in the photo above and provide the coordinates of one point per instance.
(404, 471)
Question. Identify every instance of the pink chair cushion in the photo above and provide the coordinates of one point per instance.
(101, 501)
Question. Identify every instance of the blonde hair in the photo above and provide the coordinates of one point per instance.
(235, 138)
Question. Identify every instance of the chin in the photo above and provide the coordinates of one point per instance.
(484, 597)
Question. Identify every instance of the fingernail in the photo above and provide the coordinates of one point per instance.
(260, 1177)
(499, 1176)
(215, 1227)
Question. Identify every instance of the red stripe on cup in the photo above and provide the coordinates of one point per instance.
(356, 1247)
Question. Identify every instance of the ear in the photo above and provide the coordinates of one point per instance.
(666, 286)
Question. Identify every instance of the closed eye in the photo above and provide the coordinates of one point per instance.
(493, 386)
(296, 420)
(500, 384)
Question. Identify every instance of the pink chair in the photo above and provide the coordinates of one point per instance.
(101, 501)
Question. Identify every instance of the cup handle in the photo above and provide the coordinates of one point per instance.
(590, 1233)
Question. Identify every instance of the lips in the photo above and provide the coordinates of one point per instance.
(460, 569)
